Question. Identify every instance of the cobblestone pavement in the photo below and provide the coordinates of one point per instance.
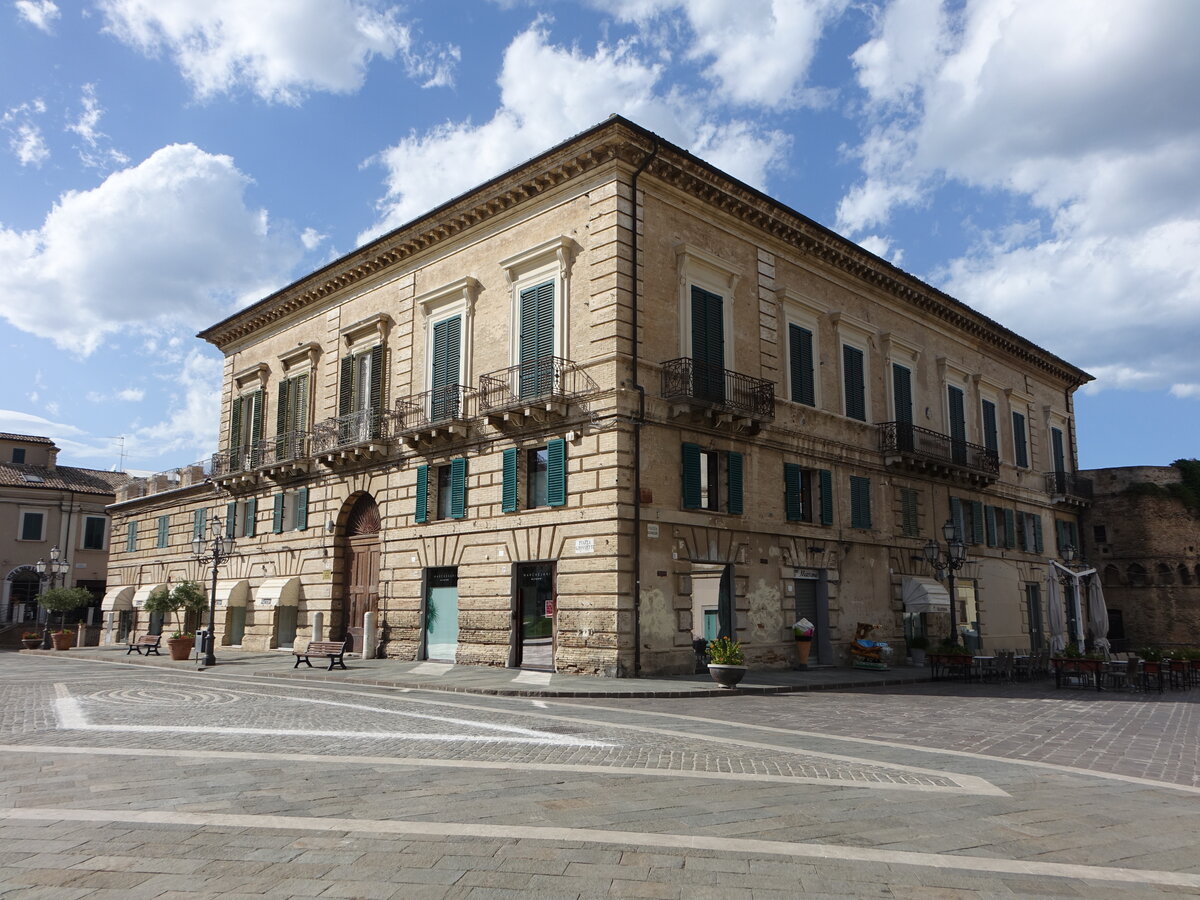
(138, 782)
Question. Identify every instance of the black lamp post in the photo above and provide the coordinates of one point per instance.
(1071, 587)
(214, 551)
(951, 561)
(49, 571)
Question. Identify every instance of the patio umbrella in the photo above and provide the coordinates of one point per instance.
(1058, 623)
(1097, 614)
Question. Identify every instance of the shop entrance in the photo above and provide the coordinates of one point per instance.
(534, 610)
(441, 614)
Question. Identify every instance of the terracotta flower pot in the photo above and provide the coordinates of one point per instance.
(803, 648)
(726, 675)
(181, 647)
(62, 640)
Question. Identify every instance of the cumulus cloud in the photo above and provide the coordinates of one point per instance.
(94, 153)
(281, 50)
(168, 243)
(38, 13)
(1082, 115)
(193, 411)
(548, 93)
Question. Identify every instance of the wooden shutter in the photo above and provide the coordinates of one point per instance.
(458, 488)
(231, 519)
(164, 526)
(282, 408)
(860, 502)
(989, 521)
(251, 517)
(447, 341)
(991, 439)
(536, 340)
(302, 509)
(1020, 448)
(421, 513)
(800, 359)
(734, 464)
(902, 393)
(256, 428)
(375, 400)
(1010, 528)
(235, 430)
(508, 490)
(708, 344)
(976, 522)
(793, 498)
(277, 515)
(825, 477)
(691, 476)
(556, 472)
(958, 414)
(909, 513)
(199, 517)
(1038, 544)
(299, 413)
(956, 516)
(346, 387)
(1056, 442)
(131, 538)
(853, 383)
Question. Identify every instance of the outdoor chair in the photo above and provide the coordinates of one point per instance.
(1122, 675)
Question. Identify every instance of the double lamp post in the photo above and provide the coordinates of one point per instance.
(950, 561)
(214, 551)
(50, 571)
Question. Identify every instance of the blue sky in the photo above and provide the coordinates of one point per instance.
(165, 162)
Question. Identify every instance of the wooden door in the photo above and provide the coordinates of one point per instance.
(360, 570)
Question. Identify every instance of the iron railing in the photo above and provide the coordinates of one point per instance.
(452, 403)
(239, 459)
(699, 382)
(287, 447)
(921, 443)
(361, 427)
(537, 380)
(1068, 484)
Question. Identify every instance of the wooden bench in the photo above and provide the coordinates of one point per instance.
(147, 642)
(333, 650)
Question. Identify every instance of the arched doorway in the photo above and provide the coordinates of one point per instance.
(360, 570)
(24, 587)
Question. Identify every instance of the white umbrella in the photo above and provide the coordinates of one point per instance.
(1097, 614)
(1058, 624)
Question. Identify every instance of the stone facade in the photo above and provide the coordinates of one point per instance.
(1147, 549)
(485, 467)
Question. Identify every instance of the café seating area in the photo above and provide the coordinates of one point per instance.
(1117, 672)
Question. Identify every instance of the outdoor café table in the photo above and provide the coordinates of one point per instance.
(985, 666)
(943, 665)
(1021, 668)
(1086, 670)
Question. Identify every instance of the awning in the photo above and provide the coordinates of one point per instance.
(143, 593)
(117, 599)
(278, 592)
(923, 594)
(233, 592)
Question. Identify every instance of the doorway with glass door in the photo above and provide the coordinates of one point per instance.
(534, 607)
(441, 614)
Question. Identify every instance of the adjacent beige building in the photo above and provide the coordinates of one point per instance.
(44, 506)
(449, 444)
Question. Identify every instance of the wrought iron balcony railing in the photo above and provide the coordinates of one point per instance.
(362, 427)
(291, 446)
(546, 379)
(440, 406)
(239, 459)
(1069, 485)
(923, 445)
(703, 383)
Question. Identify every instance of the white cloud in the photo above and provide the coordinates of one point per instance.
(311, 238)
(38, 13)
(280, 50)
(14, 422)
(882, 247)
(549, 93)
(167, 244)
(1082, 113)
(193, 412)
(94, 154)
(1186, 391)
(25, 135)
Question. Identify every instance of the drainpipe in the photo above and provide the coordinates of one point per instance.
(638, 421)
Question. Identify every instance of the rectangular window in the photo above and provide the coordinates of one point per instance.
(800, 362)
(94, 529)
(708, 344)
(18, 455)
(854, 382)
(200, 524)
(910, 525)
(33, 526)
(544, 474)
(131, 538)
(1100, 534)
(989, 521)
(1010, 528)
(442, 503)
(860, 502)
(444, 369)
(797, 493)
(360, 396)
(245, 432)
(537, 464)
(976, 529)
(1020, 441)
(825, 479)
(712, 479)
(956, 407)
(291, 418)
(991, 439)
(164, 532)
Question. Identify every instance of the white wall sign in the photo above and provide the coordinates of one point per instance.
(652, 530)
(585, 545)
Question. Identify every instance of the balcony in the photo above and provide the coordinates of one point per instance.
(351, 437)
(286, 455)
(231, 468)
(536, 391)
(929, 453)
(728, 398)
(1069, 489)
(438, 415)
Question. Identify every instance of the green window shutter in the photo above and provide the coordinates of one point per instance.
(556, 472)
(302, 509)
(508, 490)
(793, 503)
(1010, 528)
(902, 393)
(230, 518)
(991, 440)
(691, 476)
(346, 387)
(800, 359)
(235, 424)
(282, 407)
(458, 488)
(1073, 534)
(989, 521)
(708, 344)
(199, 517)
(422, 505)
(1038, 544)
(299, 414)
(1060, 535)
(164, 526)
(958, 414)
(976, 522)
(734, 473)
(909, 513)
(825, 477)
(860, 502)
(277, 515)
(131, 538)
(956, 516)
(256, 428)
(251, 516)
(447, 341)
(1056, 448)
(1020, 448)
(376, 398)
(535, 350)
(854, 383)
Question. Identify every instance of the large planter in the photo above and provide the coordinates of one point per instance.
(726, 676)
(31, 643)
(181, 647)
(803, 648)
(62, 640)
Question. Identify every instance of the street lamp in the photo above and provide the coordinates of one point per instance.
(214, 551)
(1071, 587)
(951, 561)
(49, 571)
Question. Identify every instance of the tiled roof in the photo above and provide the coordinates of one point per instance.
(25, 438)
(62, 478)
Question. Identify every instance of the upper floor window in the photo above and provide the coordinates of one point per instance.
(539, 280)
(712, 479)
(33, 525)
(245, 430)
(807, 494)
(164, 532)
(801, 367)
(94, 530)
(854, 382)
(291, 414)
(18, 455)
(449, 486)
(290, 511)
(542, 471)
(360, 395)
(448, 311)
(1020, 441)
(991, 435)
(241, 518)
(910, 512)
(860, 502)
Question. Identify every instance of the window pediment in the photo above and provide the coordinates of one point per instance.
(371, 330)
(300, 356)
(252, 378)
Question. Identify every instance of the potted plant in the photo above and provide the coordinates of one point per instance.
(917, 645)
(726, 662)
(62, 600)
(185, 597)
(31, 640)
(802, 631)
